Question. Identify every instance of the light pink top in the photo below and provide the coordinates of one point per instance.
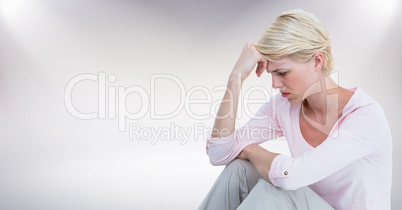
(351, 169)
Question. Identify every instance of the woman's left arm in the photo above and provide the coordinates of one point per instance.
(260, 158)
(360, 134)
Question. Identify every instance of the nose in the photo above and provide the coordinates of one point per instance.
(276, 82)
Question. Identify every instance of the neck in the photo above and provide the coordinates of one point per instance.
(323, 100)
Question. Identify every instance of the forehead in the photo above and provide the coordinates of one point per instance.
(283, 63)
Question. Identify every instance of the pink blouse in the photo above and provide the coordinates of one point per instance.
(351, 169)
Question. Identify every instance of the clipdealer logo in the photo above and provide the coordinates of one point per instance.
(112, 105)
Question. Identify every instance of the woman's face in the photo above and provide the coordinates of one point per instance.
(295, 80)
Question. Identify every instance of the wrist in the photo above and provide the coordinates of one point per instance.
(236, 77)
(249, 149)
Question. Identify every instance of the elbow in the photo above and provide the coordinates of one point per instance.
(221, 153)
(215, 160)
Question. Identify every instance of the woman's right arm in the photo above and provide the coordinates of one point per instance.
(225, 146)
(249, 59)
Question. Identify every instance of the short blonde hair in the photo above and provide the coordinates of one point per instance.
(299, 35)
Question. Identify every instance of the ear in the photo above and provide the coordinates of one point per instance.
(318, 61)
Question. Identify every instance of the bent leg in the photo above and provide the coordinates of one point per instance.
(232, 186)
(266, 196)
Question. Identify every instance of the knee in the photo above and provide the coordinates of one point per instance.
(240, 167)
(235, 174)
(245, 169)
(241, 175)
(237, 164)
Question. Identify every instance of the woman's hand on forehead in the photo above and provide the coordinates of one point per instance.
(250, 58)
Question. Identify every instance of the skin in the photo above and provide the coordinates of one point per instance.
(322, 99)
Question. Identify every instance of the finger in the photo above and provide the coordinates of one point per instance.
(263, 63)
(263, 66)
(258, 69)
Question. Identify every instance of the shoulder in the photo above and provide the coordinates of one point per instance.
(364, 109)
(363, 118)
(359, 100)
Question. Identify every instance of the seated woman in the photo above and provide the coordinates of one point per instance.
(339, 138)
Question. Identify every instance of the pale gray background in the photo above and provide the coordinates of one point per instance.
(51, 160)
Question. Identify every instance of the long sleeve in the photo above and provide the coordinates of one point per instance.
(351, 169)
(360, 134)
(262, 127)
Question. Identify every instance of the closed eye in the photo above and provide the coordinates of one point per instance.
(282, 73)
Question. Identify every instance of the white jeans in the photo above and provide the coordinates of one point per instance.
(239, 186)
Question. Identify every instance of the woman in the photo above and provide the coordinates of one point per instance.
(339, 138)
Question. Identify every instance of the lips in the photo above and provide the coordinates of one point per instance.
(285, 94)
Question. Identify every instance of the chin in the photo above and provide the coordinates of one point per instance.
(294, 100)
